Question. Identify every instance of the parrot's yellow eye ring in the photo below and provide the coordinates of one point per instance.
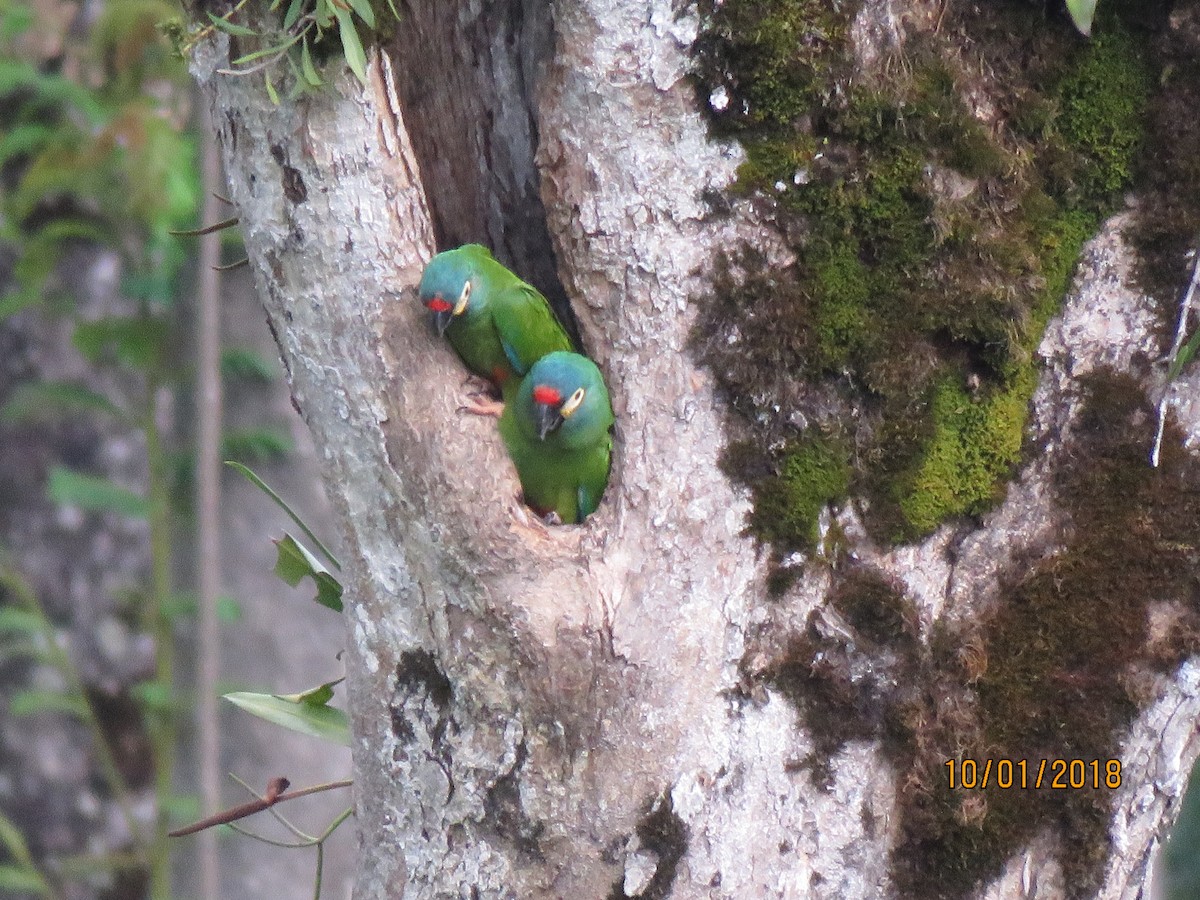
(461, 306)
(572, 403)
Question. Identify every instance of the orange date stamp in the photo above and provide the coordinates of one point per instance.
(1055, 774)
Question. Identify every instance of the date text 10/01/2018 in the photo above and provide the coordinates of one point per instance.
(1056, 774)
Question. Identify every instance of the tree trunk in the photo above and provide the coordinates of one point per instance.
(565, 712)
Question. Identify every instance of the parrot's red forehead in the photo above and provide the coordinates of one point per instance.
(546, 395)
(437, 304)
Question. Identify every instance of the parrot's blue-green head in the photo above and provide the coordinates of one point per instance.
(447, 283)
(563, 402)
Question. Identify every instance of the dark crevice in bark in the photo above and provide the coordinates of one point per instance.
(468, 84)
(664, 835)
(506, 813)
(418, 679)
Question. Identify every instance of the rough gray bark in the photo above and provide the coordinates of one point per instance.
(543, 714)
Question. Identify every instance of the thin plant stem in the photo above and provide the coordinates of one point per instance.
(208, 506)
(275, 814)
(162, 728)
(1185, 310)
(318, 842)
(300, 845)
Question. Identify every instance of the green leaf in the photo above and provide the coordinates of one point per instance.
(325, 722)
(181, 807)
(1184, 356)
(154, 696)
(61, 230)
(86, 865)
(156, 286)
(363, 8)
(1082, 13)
(49, 89)
(256, 444)
(14, 842)
(273, 50)
(244, 364)
(24, 139)
(179, 605)
(20, 621)
(272, 94)
(23, 876)
(351, 45)
(318, 696)
(29, 702)
(306, 66)
(94, 494)
(293, 13)
(41, 251)
(16, 301)
(250, 476)
(295, 562)
(21, 649)
(136, 341)
(16, 20)
(45, 401)
(22, 881)
(228, 610)
(323, 13)
(230, 27)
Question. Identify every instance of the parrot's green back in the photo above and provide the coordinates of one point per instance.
(565, 472)
(507, 325)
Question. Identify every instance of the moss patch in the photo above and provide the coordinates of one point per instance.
(774, 58)
(930, 248)
(1103, 101)
(974, 441)
(1057, 671)
(811, 474)
(846, 694)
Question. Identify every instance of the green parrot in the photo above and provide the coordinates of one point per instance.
(557, 430)
(497, 324)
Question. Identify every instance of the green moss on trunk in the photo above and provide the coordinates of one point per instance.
(931, 249)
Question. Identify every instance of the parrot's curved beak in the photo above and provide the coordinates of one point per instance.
(548, 419)
(441, 319)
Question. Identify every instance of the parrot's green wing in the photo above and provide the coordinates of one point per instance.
(593, 479)
(526, 326)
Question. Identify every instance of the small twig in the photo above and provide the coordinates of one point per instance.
(275, 814)
(257, 806)
(1180, 331)
(207, 229)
